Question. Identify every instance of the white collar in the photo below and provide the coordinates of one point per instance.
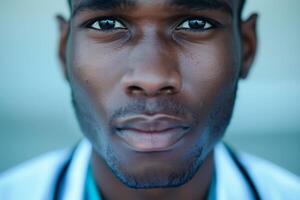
(76, 174)
(230, 183)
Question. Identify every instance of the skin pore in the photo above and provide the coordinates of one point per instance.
(153, 86)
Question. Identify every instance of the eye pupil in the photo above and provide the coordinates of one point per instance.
(107, 24)
(196, 24)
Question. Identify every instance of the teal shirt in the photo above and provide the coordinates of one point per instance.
(92, 193)
(212, 193)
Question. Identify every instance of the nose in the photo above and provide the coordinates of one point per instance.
(152, 71)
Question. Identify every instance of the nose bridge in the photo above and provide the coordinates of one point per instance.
(152, 53)
(152, 68)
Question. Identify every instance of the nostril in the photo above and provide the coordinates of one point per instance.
(169, 90)
(135, 89)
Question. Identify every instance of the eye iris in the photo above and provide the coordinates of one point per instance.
(196, 24)
(107, 24)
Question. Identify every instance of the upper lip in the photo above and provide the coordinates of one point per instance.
(150, 123)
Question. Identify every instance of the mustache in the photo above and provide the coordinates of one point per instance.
(146, 107)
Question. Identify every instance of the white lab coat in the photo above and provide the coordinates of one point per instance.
(35, 179)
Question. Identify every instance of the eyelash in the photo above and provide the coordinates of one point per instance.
(213, 24)
(90, 23)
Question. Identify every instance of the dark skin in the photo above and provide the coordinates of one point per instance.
(153, 86)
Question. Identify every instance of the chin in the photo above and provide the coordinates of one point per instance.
(150, 174)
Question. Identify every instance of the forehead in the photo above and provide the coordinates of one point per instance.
(233, 4)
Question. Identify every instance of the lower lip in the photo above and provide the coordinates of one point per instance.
(152, 141)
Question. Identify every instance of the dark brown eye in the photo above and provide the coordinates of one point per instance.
(195, 24)
(107, 24)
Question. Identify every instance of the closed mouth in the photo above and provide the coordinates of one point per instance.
(151, 133)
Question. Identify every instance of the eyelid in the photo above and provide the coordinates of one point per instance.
(214, 23)
(90, 22)
(96, 23)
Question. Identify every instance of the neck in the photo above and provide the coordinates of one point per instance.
(112, 189)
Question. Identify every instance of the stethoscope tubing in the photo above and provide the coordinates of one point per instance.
(244, 172)
(62, 173)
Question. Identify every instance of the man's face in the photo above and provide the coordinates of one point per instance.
(154, 82)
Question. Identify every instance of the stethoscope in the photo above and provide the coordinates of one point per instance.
(60, 178)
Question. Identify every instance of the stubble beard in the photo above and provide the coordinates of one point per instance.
(218, 121)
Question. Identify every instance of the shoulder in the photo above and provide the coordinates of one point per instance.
(273, 181)
(31, 180)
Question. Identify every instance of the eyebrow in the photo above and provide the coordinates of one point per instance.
(107, 5)
(203, 5)
(104, 5)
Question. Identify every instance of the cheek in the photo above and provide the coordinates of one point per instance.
(95, 69)
(210, 68)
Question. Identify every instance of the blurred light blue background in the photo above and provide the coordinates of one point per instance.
(35, 111)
